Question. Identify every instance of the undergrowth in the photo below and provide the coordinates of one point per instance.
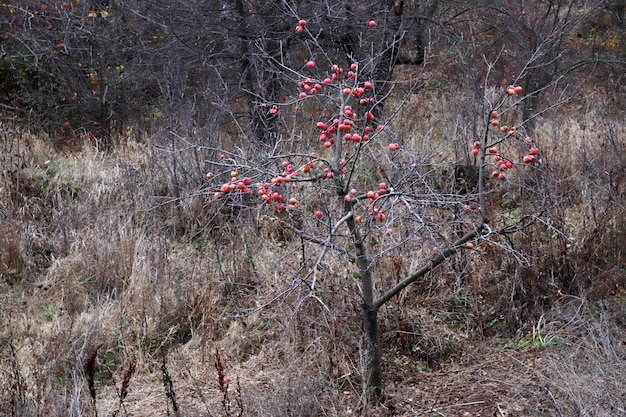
(119, 291)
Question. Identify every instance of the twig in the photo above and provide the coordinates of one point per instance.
(169, 386)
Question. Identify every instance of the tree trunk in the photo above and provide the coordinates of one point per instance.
(373, 378)
(374, 369)
(370, 314)
(530, 104)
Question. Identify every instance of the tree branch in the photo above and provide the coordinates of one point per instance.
(432, 264)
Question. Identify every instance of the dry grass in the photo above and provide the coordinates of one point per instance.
(91, 257)
(595, 359)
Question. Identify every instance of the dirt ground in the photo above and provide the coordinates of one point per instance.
(499, 383)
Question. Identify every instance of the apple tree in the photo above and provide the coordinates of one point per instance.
(350, 185)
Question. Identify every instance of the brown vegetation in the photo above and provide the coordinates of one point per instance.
(94, 265)
(129, 287)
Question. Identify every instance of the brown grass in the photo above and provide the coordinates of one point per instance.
(97, 251)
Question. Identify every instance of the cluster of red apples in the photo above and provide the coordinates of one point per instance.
(504, 164)
(235, 184)
(353, 126)
(271, 193)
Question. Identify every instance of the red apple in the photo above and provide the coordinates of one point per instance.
(371, 24)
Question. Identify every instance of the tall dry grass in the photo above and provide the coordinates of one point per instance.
(118, 251)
